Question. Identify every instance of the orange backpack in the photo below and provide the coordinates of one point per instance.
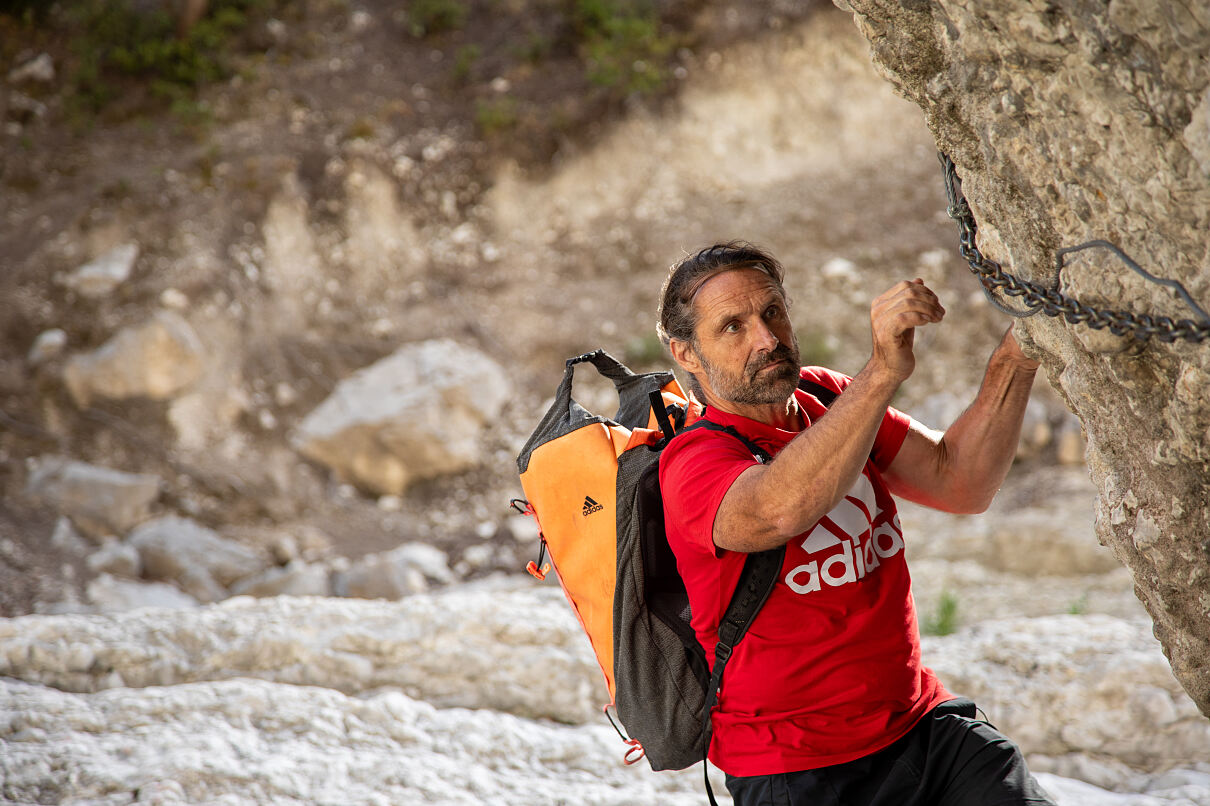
(592, 483)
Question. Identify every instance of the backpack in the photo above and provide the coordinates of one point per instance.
(592, 483)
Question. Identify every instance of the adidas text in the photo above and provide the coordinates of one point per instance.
(591, 506)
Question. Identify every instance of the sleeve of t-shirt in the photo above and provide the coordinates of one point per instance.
(696, 470)
(894, 425)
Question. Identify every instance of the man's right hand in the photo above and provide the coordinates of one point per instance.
(894, 316)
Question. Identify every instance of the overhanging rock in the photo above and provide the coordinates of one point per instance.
(1070, 122)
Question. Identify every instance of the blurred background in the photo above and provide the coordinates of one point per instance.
(284, 287)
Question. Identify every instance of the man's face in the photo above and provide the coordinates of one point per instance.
(745, 346)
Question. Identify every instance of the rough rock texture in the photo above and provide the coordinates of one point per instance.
(1070, 121)
(415, 414)
(99, 500)
(1126, 705)
(157, 359)
(519, 650)
(199, 559)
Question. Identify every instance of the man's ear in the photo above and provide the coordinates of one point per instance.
(685, 356)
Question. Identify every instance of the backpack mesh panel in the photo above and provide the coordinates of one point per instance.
(659, 693)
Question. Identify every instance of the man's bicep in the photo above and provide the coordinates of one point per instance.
(917, 472)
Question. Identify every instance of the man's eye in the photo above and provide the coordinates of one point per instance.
(733, 327)
(773, 312)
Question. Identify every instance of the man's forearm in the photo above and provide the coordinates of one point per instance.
(810, 475)
(979, 447)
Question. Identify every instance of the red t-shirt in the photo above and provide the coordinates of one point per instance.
(830, 669)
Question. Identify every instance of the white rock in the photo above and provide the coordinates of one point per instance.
(48, 345)
(172, 548)
(99, 500)
(158, 359)
(255, 742)
(111, 595)
(1093, 685)
(66, 537)
(297, 578)
(101, 277)
(416, 414)
(117, 558)
(394, 574)
(514, 647)
(41, 69)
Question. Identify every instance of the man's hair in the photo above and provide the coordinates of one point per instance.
(677, 319)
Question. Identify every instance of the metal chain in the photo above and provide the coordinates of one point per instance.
(1039, 299)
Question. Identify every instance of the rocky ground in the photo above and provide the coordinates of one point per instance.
(288, 354)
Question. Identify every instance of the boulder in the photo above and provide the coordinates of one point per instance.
(1091, 685)
(415, 414)
(117, 558)
(108, 594)
(158, 359)
(394, 574)
(49, 345)
(184, 551)
(40, 69)
(297, 578)
(99, 500)
(101, 277)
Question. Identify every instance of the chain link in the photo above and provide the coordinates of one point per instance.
(1040, 299)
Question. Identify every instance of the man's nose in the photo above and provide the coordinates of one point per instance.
(766, 339)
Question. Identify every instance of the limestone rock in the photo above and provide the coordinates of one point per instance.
(108, 594)
(395, 574)
(498, 647)
(117, 558)
(1092, 685)
(99, 500)
(100, 277)
(157, 359)
(415, 414)
(256, 742)
(297, 578)
(1070, 123)
(41, 69)
(48, 345)
(179, 549)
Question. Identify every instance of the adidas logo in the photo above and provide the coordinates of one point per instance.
(591, 506)
(856, 558)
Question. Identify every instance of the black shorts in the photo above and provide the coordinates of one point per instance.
(949, 758)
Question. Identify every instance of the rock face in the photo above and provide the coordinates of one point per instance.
(1070, 122)
(415, 414)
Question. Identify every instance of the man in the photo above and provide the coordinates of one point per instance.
(825, 700)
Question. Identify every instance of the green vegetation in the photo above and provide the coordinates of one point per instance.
(464, 62)
(944, 619)
(117, 45)
(434, 16)
(622, 44)
(1079, 606)
(496, 116)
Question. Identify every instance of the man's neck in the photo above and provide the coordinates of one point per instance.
(785, 416)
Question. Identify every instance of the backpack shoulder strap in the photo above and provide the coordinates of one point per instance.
(822, 393)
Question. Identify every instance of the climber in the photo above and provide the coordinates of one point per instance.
(826, 700)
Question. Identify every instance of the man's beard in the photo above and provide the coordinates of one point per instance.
(754, 387)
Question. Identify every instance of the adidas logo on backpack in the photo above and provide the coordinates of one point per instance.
(619, 573)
